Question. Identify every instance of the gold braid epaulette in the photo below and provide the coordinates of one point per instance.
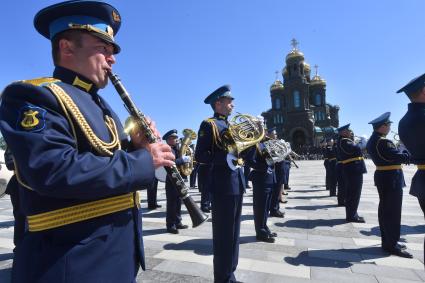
(215, 132)
(40, 81)
(70, 108)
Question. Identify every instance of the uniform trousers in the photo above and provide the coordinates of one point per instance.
(261, 206)
(353, 184)
(331, 178)
(151, 194)
(389, 214)
(226, 221)
(174, 205)
(274, 202)
(342, 192)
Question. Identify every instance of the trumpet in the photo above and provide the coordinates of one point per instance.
(137, 117)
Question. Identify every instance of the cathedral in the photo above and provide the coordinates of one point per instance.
(299, 109)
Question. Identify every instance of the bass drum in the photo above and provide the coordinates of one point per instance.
(160, 174)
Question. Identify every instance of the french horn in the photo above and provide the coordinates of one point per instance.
(244, 131)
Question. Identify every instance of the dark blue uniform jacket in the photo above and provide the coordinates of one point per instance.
(411, 130)
(347, 150)
(261, 173)
(209, 150)
(384, 153)
(58, 170)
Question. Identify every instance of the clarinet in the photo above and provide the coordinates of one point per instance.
(196, 214)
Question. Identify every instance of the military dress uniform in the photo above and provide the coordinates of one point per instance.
(342, 192)
(204, 183)
(389, 181)
(226, 187)
(263, 181)
(12, 189)
(77, 174)
(411, 130)
(174, 203)
(279, 168)
(330, 160)
(353, 169)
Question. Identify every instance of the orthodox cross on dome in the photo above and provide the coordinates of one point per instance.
(294, 44)
(277, 75)
(316, 67)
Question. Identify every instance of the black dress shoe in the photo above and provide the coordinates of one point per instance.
(285, 193)
(172, 230)
(154, 207)
(181, 226)
(273, 234)
(283, 201)
(277, 213)
(401, 246)
(357, 219)
(206, 210)
(398, 252)
(266, 238)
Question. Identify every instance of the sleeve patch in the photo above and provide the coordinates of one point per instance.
(31, 119)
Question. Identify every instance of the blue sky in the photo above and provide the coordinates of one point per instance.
(174, 53)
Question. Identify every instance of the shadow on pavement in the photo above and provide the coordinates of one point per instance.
(198, 246)
(308, 197)
(6, 224)
(404, 230)
(312, 207)
(340, 258)
(311, 223)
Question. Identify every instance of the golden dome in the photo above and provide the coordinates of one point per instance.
(276, 85)
(317, 80)
(295, 54)
(307, 67)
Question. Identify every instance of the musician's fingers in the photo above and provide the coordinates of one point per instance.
(165, 147)
(168, 163)
(168, 156)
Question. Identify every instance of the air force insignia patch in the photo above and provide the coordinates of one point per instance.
(31, 119)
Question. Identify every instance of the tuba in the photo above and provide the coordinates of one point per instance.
(185, 150)
(244, 131)
(276, 151)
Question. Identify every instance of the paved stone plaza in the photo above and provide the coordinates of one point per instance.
(314, 243)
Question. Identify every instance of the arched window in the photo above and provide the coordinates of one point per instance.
(317, 99)
(277, 103)
(297, 99)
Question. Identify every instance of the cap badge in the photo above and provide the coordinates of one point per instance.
(116, 17)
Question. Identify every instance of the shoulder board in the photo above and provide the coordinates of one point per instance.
(40, 81)
(209, 120)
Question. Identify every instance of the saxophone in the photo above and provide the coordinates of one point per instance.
(188, 135)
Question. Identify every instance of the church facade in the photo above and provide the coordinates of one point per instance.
(299, 109)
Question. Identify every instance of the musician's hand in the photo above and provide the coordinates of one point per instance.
(138, 137)
(161, 154)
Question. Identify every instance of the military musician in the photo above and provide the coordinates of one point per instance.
(389, 181)
(74, 165)
(263, 180)
(226, 185)
(411, 129)
(353, 168)
(330, 161)
(174, 204)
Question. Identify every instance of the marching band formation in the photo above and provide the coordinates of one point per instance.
(77, 175)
